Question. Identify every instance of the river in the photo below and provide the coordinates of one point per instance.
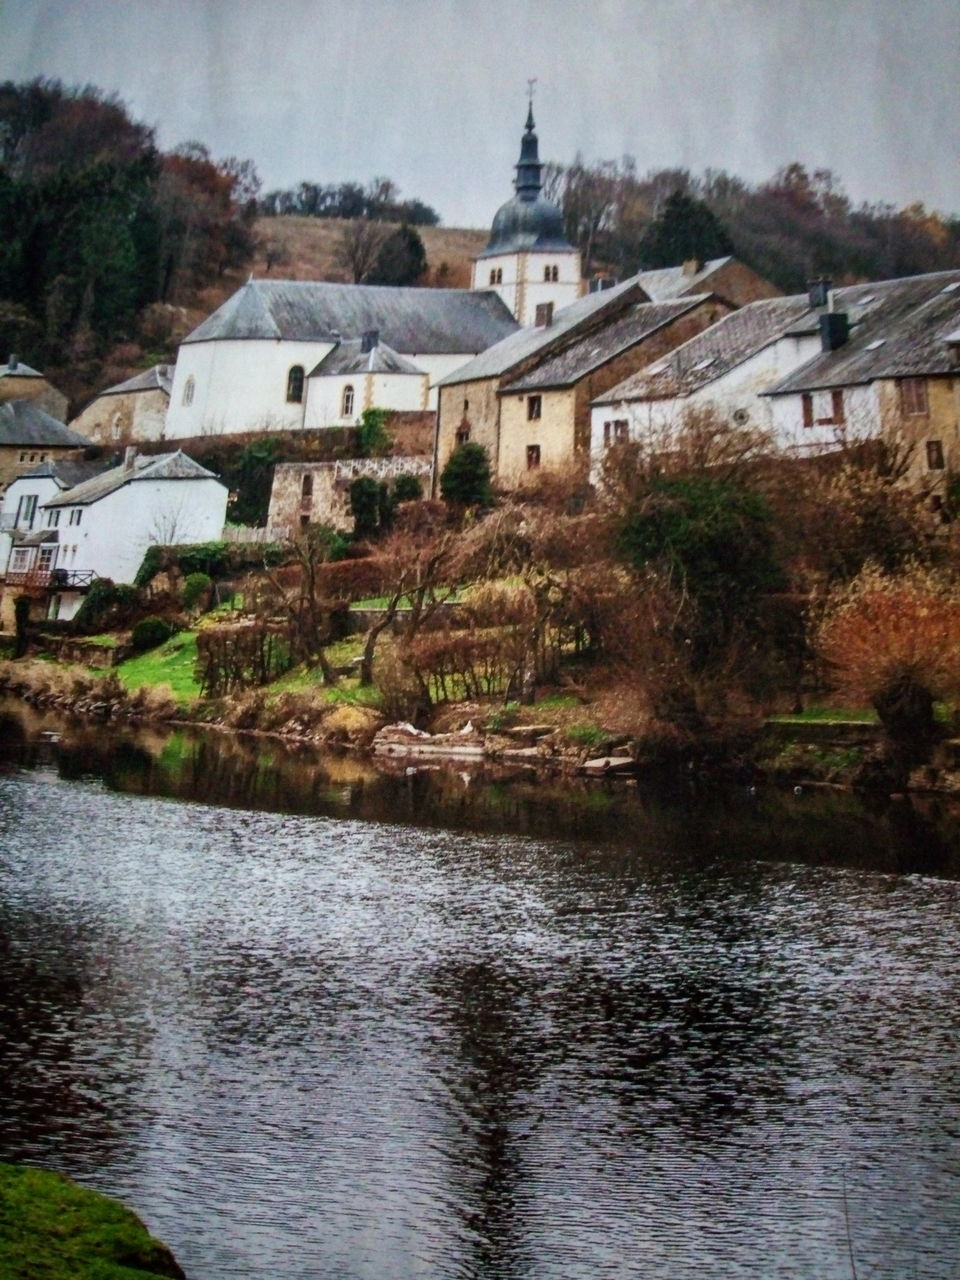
(311, 1021)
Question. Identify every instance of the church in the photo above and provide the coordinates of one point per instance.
(291, 355)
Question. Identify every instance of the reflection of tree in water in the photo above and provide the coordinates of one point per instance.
(502, 1050)
(71, 1043)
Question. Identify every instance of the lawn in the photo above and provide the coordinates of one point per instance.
(171, 664)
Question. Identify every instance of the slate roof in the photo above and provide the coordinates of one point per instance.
(525, 343)
(348, 357)
(22, 423)
(65, 471)
(427, 321)
(898, 329)
(158, 377)
(712, 353)
(595, 349)
(671, 282)
(162, 466)
(19, 370)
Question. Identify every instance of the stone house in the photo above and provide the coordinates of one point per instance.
(527, 399)
(28, 436)
(19, 382)
(132, 412)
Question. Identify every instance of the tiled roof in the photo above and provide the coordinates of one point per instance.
(671, 282)
(415, 321)
(525, 343)
(22, 423)
(163, 466)
(595, 349)
(158, 377)
(898, 329)
(712, 353)
(349, 357)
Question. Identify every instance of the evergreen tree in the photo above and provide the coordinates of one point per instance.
(685, 229)
(402, 259)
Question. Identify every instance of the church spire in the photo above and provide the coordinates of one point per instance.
(529, 169)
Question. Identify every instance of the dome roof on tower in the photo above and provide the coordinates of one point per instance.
(527, 221)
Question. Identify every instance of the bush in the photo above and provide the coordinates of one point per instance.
(195, 590)
(407, 488)
(150, 632)
(365, 506)
(466, 477)
(106, 601)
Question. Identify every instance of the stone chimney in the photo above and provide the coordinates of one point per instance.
(692, 267)
(818, 292)
(543, 317)
(129, 457)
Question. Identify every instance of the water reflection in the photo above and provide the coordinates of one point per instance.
(334, 1038)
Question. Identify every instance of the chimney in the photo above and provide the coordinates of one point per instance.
(692, 266)
(834, 330)
(129, 457)
(543, 316)
(370, 340)
(818, 291)
(12, 364)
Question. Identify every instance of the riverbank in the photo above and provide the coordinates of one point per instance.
(51, 1228)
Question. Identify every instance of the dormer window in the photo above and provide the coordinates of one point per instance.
(346, 404)
(295, 385)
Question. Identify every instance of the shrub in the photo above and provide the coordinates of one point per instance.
(407, 488)
(150, 632)
(106, 601)
(466, 477)
(195, 590)
(365, 506)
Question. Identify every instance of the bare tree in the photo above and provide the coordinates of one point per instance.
(359, 245)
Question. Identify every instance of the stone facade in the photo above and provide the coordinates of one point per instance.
(307, 493)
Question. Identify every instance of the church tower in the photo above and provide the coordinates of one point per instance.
(528, 260)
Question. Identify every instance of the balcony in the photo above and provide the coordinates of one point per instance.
(45, 581)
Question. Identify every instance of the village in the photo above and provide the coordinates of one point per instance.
(661, 498)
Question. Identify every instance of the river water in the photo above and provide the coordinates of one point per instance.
(314, 1022)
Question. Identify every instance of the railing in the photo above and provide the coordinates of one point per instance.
(250, 533)
(51, 579)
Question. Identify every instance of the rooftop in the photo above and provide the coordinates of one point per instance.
(162, 466)
(350, 357)
(158, 377)
(22, 423)
(414, 321)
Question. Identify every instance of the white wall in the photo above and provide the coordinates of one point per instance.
(862, 419)
(324, 396)
(529, 268)
(239, 385)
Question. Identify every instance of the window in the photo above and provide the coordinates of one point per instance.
(463, 434)
(20, 560)
(26, 510)
(346, 407)
(534, 406)
(45, 559)
(493, 277)
(546, 273)
(76, 515)
(499, 275)
(53, 518)
(295, 385)
(533, 457)
(306, 489)
(551, 274)
(814, 414)
(616, 432)
(466, 406)
(115, 427)
(913, 397)
(935, 455)
(543, 315)
(188, 389)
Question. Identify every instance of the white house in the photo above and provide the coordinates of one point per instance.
(66, 531)
(361, 374)
(246, 367)
(813, 370)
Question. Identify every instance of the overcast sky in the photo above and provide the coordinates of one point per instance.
(432, 93)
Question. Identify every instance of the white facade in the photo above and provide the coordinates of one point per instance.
(524, 280)
(338, 400)
(736, 396)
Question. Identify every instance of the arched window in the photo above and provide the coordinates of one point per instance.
(295, 385)
(499, 275)
(188, 390)
(493, 276)
(346, 408)
(546, 273)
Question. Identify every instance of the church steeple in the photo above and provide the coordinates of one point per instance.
(529, 169)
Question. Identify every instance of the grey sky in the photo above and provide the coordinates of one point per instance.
(432, 92)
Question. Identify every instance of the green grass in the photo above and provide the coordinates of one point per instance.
(52, 1229)
(829, 715)
(172, 664)
(585, 735)
(105, 641)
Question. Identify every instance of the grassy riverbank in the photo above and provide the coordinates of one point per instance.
(51, 1229)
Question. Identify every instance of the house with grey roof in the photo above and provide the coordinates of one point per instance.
(29, 435)
(362, 373)
(18, 381)
(246, 367)
(527, 399)
(726, 277)
(68, 528)
(131, 412)
(812, 371)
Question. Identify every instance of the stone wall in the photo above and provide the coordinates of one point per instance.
(319, 492)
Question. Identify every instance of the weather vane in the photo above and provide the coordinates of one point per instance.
(530, 84)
